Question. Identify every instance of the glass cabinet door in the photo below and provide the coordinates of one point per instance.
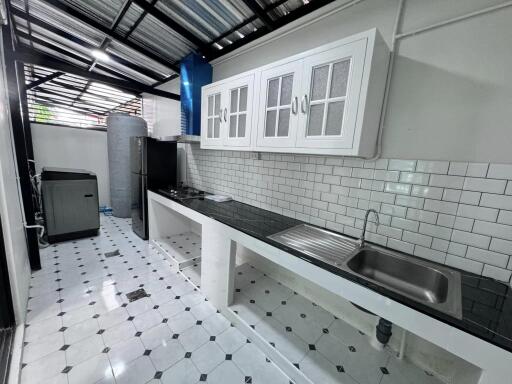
(278, 111)
(239, 94)
(330, 97)
(214, 116)
(327, 98)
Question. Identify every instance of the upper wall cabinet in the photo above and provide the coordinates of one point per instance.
(324, 101)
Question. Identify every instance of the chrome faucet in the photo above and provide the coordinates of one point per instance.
(371, 210)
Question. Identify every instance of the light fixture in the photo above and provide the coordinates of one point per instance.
(100, 55)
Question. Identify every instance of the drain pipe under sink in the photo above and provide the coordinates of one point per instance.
(382, 331)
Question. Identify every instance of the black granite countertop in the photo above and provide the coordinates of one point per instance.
(486, 303)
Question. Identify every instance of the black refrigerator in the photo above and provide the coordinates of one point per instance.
(153, 166)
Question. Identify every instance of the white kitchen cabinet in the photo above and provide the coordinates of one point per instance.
(227, 113)
(277, 109)
(330, 97)
(326, 100)
(239, 107)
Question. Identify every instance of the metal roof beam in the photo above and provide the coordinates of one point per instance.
(169, 22)
(261, 13)
(114, 35)
(292, 16)
(31, 56)
(43, 80)
(41, 24)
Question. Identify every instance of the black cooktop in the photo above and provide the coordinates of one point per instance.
(486, 303)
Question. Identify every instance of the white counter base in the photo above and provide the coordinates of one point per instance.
(217, 283)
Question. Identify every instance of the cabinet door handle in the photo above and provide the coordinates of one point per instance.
(225, 114)
(304, 104)
(295, 105)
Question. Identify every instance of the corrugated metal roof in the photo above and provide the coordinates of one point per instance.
(146, 39)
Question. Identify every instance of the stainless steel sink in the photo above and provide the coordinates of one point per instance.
(420, 280)
(427, 283)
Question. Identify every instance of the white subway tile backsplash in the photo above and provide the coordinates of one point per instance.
(414, 178)
(458, 168)
(436, 167)
(393, 210)
(383, 197)
(473, 239)
(508, 190)
(484, 185)
(505, 217)
(420, 215)
(417, 238)
(402, 165)
(441, 206)
(500, 171)
(428, 192)
(452, 195)
(446, 220)
(386, 175)
(363, 173)
(401, 246)
(403, 189)
(431, 254)
(469, 197)
(496, 201)
(493, 229)
(433, 209)
(457, 249)
(440, 245)
(463, 224)
(409, 225)
(465, 264)
(488, 257)
(477, 169)
(446, 181)
(408, 201)
(435, 231)
(502, 246)
(480, 213)
(496, 273)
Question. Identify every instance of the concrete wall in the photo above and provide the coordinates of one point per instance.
(450, 95)
(11, 209)
(56, 146)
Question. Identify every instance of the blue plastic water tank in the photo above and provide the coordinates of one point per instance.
(195, 72)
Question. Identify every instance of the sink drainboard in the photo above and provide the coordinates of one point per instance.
(323, 245)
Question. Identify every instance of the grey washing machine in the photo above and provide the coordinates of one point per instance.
(70, 203)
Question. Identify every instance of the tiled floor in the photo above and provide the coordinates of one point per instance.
(326, 349)
(82, 329)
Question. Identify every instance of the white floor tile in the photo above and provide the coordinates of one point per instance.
(183, 372)
(208, 356)
(137, 372)
(43, 369)
(90, 371)
(166, 355)
(84, 349)
(226, 373)
(44, 346)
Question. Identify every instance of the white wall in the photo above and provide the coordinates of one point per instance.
(163, 115)
(56, 146)
(10, 208)
(451, 91)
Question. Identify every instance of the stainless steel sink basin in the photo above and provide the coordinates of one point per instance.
(420, 280)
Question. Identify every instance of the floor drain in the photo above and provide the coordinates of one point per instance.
(136, 295)
(112, 253)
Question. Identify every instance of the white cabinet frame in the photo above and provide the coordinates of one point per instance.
(369, 57)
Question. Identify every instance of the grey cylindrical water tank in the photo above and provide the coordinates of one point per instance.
(120, 127)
